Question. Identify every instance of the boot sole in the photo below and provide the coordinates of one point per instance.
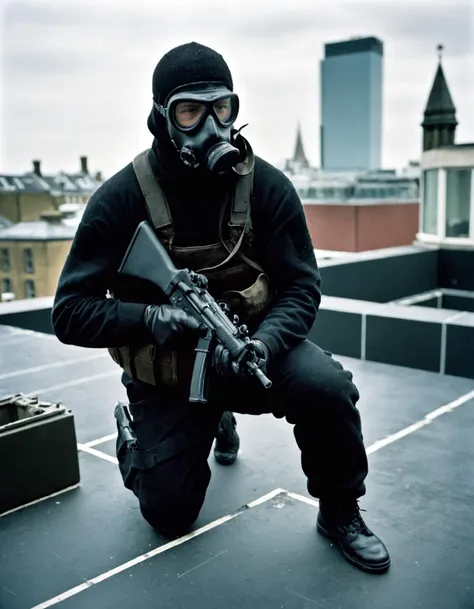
(222, 461)
(381, 568)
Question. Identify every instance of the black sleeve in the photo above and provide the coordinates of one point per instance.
(292, 268)
(82, 314)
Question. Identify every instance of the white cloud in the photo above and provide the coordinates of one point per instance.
(76, 77)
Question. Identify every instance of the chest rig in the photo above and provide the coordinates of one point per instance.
(229, 265)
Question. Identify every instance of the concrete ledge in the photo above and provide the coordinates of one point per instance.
(435, 340)
(425, 338)
(32, 314)
(460, 346)
(383, 275)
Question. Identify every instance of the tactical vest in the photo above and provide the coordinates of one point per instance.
(233, 275)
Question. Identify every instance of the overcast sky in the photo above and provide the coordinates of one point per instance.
(76, 76)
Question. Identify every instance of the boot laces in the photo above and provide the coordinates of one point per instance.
(352, 518)
(348, 516)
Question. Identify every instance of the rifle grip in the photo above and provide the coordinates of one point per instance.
(199, 381)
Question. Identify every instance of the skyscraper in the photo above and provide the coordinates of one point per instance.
(351, 105)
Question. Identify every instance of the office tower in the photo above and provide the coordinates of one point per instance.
(351, 105)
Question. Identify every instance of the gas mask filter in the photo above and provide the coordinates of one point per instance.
(200, 118)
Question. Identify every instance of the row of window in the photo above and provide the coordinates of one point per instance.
(5, 262)
(457, 203)
(76, 199)
(7, 287)
(360, 192)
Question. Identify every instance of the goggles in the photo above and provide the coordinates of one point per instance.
(187, 110)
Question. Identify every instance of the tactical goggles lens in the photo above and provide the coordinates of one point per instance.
(188, 112)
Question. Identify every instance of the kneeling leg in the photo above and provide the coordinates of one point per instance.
(169, 472)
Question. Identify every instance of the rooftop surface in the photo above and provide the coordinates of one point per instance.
(90, 548)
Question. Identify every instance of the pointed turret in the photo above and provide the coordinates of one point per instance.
(299, 157)
(439, 124)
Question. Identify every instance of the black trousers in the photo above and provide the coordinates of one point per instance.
(170, 474)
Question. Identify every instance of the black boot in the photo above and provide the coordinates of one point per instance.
(227, 440)
(343, 523)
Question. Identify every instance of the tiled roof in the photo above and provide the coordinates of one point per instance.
(28, 182)
(62, 183)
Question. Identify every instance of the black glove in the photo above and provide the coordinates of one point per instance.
(167, 323)
(224, 365)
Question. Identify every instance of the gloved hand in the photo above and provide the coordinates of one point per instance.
(167, 323)
(224, 365)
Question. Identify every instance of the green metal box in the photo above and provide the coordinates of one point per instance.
(38, 450)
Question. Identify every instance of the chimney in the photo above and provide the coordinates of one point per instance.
(98, 176)
(37, 168)
(52, 216)
(84, 165)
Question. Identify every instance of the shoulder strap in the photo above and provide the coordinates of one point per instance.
(155, 199)
(240, 213)
(240, 222)
(158, 209)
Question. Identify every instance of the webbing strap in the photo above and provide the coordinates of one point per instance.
(240, 215)
(146, 459)
(156, 203)
(231, 253)
(241, 204)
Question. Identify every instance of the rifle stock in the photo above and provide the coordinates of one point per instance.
(147, 259)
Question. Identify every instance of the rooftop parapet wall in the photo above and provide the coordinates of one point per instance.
(357, 317)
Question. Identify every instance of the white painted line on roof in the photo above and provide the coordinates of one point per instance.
(267, 497)
(450, 406)
(79, 381)
(67, 362)
(148, 555)
(427, 419)
(308, 500)
(21, 507)
(111, 436)
(97, 453)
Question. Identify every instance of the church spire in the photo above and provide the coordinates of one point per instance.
(299, 157)
(439, 124)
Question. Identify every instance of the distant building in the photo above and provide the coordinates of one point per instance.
(447, 210)
(351, 105)
(32, 255)
(356, 211)
(23, 198)
(299, 163)
(360, 212)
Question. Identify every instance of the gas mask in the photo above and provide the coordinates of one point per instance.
(200, 119)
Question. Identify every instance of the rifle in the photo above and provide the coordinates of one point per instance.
(147, 259)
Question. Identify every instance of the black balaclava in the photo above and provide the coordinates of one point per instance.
(185, 64)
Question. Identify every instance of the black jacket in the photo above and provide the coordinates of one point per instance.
(82, 315)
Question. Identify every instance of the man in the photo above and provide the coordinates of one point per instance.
(237, 220)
